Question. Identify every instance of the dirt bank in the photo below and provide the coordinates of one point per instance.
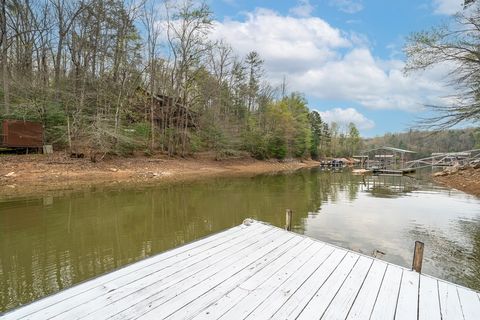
(467, 180)
(32, 174)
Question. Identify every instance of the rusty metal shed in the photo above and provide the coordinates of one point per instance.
(21, 134)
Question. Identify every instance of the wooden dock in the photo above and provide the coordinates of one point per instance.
(257, 271)
(397, 172)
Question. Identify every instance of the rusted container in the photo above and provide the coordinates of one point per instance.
(22, 134)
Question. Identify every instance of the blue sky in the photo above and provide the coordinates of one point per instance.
(344, 55)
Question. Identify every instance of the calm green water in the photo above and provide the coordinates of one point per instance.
(54, 242)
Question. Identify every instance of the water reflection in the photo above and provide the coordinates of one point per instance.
(390, 186)
(54, 242)
(455, 259)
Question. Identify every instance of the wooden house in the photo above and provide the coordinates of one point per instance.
(169, 112)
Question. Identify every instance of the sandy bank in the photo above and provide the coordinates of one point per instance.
(22, 175)
(467, 180)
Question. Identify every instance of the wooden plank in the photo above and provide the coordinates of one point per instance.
(449, 302)
(341, 304)
(418, 256)
(195, 287)
(386, 302)
(240, 274)
(242, 309)
(98, 297)
(325, 294)
(295, 304)
(365, 300)
(275, 301)
(165, 258)
(407, 304)
(470, 303)
(429, 304)
(259, 272)
(288, 220)
(125, 296)
(222, 298)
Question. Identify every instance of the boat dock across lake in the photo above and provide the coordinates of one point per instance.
(258, 271)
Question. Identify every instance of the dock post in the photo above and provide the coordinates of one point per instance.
(288, 220)
(418, 256)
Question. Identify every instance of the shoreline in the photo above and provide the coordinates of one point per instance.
(34, 175)
(466, 180)
(29, 175)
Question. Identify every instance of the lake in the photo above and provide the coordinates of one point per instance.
(53, 242)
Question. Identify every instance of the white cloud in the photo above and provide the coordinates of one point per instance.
(358, 76)
(327, 63)
(348, 6)
(287, 44)
(447, 7)
(303, 9)
(344, 116)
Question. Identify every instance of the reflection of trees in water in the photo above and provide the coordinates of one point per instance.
(447, 258)
(332, 184)
(323, 187)
(49, 245)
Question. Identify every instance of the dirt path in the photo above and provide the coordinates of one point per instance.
(22, 175)
(467, 180)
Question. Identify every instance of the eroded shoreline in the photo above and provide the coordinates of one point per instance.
(467, 180)
(24, 175)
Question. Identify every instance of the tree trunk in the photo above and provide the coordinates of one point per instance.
(6, 89)
(57, 65)
(152, 98)
(4, 44)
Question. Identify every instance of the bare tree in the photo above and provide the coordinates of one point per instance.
(220, 61)
(66, 11)
(454, 44)
(151, 22)
(4, 53)
(115, 76)
(187, 31)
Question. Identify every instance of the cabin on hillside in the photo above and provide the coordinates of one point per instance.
(385, 158)
(169, 112)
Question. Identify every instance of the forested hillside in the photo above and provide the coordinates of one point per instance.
(120, 76)
(425, 143)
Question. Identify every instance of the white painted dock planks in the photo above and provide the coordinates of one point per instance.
(257, 271)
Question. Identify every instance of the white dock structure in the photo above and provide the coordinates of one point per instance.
(258, 271)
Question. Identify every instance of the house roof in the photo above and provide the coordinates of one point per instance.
(390, 149)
